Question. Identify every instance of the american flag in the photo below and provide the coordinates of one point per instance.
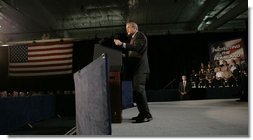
(40, 59)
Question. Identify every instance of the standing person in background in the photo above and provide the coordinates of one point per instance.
(244, 80)
(184, 88)
(235, 70)
(137, 52)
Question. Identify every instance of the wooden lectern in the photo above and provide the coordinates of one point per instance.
(115, 63)
(115, 91)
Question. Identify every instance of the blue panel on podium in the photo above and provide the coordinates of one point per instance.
(93, 113)
(127, 94)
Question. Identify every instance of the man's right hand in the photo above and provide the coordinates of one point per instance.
(117, 42)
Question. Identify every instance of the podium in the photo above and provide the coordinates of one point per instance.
(92, 98)
(115, 63)
(116, 96)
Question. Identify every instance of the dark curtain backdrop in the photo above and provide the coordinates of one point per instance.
(170, 56)
(3, 68)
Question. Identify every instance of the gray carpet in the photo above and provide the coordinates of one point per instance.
(196, 118)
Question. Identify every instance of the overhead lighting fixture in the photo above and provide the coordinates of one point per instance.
(209, 20)
(132, 3)
(201, 2)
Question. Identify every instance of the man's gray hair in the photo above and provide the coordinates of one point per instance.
(133, 25)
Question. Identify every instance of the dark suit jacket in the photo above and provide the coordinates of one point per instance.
(187, 87)
(137, 51)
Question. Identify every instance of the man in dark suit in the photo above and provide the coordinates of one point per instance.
(137, 53)
(184, 88)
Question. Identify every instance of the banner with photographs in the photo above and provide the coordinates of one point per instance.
(227, 50)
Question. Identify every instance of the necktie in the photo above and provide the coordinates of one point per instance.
(184, 83)
(131, 41)
(130, 53)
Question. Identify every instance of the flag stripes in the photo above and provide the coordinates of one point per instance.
(40, 59)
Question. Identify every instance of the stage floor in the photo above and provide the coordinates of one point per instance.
(196, 118)
(192, 118)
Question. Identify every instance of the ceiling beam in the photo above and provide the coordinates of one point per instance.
(207, 7)
(14, 17)
(46, 18)
(233, 13)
